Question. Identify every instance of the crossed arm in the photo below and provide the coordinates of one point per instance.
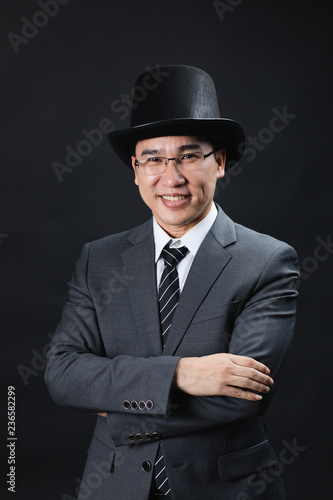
(80, 375)
(222, 375)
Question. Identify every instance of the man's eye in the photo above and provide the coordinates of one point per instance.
(190, 157)
(154, 159)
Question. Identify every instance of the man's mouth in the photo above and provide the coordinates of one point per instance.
(174, 198)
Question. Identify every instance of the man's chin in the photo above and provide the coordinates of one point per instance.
(176, 226)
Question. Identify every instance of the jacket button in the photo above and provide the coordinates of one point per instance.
(134, 405)
(142, 405)
(126, 405)
(131, 437)
(149, 404)
(139, 437)
(156, 435)
(146, 466)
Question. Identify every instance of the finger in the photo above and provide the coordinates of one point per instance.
(246, 383)
(253, 374)
(250, 362)
(237, 392)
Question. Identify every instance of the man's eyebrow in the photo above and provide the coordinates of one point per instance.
(150, 152)
(189, 146)
(182, 148)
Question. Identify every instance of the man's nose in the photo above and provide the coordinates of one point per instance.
(172, 175)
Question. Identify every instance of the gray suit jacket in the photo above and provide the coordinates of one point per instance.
(106, 355)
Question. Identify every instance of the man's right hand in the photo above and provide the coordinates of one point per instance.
(223, 375)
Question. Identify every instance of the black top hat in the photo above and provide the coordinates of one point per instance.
(177, 100)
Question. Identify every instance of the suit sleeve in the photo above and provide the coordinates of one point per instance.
(80, 375)
(263, 331)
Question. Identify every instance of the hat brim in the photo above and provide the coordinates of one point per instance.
(226, 133)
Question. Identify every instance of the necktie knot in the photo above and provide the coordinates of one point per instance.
(172, 256)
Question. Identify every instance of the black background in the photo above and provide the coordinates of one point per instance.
(262, 55)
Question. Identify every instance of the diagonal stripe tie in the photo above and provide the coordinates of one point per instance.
(169, 287)
(168, 300)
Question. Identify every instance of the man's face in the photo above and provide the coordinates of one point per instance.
(177, 199)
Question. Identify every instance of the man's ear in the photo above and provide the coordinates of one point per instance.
(133, 160)
(220, 157)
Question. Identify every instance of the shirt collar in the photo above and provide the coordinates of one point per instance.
(192, 239)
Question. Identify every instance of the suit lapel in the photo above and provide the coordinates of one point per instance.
(139, 261)
(207, 266)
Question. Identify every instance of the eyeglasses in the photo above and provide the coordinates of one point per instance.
(157, 165)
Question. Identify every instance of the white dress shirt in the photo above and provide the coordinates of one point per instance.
(192, 240)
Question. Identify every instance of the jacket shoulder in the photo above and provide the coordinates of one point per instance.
(260, 248)
(118, 242)
(237, 238)
(255, 238)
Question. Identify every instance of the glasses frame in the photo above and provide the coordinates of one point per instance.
(176, 159)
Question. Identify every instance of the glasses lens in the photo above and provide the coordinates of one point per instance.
(153, 165)
(190, 160)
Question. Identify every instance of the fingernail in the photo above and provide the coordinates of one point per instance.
(258, 397)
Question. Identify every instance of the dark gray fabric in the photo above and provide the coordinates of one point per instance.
(239, 297)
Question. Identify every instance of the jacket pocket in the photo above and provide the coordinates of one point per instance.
(211, 311)
(247, 461)
(101, 451)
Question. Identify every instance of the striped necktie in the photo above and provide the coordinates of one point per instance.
(168, 300)
(168, 294)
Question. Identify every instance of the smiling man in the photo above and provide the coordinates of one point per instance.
(178, 190)
(179, 362)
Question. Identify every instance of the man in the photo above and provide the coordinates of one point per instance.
(179, 354)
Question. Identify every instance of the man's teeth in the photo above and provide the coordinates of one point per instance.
(173, 198)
